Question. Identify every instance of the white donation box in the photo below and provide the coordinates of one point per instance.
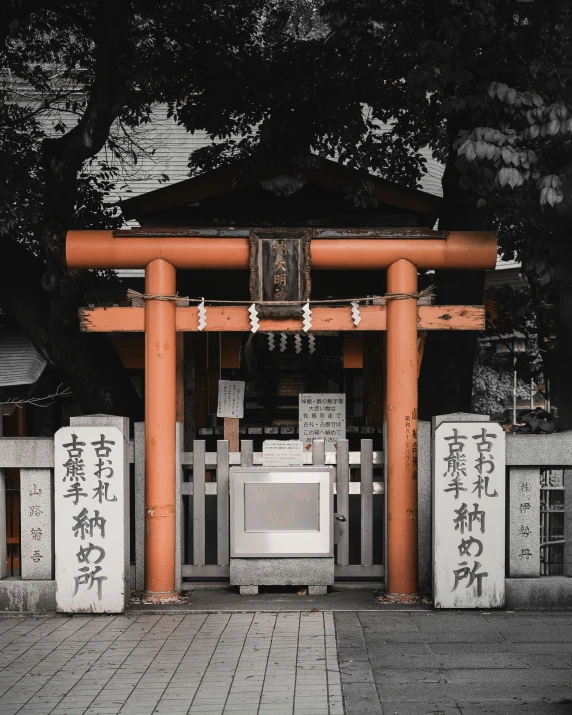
(281, 527)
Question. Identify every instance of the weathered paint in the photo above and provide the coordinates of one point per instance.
(471, 250)
(236, 319)
(160, 432)
(402, 417)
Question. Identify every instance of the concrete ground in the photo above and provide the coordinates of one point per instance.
(283, 653)
(452, 663)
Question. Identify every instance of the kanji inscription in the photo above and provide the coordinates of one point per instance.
(230, 399)
(469, 515)
(322, 416)
(89, 496)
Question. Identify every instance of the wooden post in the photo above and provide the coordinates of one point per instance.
(180, 377)
(232, 433)
(160, 420)
(3, 534)
(402, 407)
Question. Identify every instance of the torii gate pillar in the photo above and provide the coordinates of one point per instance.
(401, 420)
(160, 431)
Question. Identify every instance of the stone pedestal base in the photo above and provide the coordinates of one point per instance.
(316, 573)
(317, 590)
(248, 590)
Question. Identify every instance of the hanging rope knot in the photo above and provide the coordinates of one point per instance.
(135, 295)
(405, 296)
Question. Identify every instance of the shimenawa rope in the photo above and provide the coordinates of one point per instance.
(135, 295)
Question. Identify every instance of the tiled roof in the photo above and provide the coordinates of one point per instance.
(20, 362)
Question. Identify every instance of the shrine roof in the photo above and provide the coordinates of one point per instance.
(241, 192)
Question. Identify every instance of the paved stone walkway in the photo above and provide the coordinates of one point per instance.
(455, 663)
(249, 663)
(387, 662)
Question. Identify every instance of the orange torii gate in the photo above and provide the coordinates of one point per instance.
(400, 251)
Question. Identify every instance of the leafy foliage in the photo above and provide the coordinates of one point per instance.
(485, 84)
(536, 421)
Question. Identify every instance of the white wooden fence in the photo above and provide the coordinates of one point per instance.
(526, 456)
(195, 529)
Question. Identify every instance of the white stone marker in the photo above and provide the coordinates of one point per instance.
(524, 522)
(36, 523)
(322, 415)
(90, 529)
(469, 515)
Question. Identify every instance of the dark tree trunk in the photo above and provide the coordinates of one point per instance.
(446, 377)
(88, 362)
(557, 357)
(39, 292)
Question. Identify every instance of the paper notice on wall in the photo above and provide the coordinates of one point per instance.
(322, 416)
(230, 399)
(282, 453)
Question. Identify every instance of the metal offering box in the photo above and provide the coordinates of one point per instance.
(281, 512)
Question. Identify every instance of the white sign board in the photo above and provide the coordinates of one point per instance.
(89, 503)
(322, 416)
(469, 515)
(230, 399)
(282, 453)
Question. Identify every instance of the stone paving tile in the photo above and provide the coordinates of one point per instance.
(179, 664)
(447, 663)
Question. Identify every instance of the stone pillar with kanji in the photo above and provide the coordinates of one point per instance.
(91, 502)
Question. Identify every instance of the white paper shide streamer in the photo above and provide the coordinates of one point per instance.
(298, 343)
(355, 313)
(307, 313)
(254, 322)
(311, 344)
(202, 315)
(283, 342)
(271, 342)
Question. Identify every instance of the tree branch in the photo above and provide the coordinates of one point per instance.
(38, 401)
(62, 157)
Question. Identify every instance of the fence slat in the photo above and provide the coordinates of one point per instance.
(567, 478)
(211, 488)
(235, 459)
(343, 500)
(139, 448)
(366, 502)
(222, 510)
(247, 452)
(318, 452)
(199, 503)
(178, 507)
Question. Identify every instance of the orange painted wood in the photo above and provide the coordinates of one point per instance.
(235, 318)
(401, 446)
(131, 349)
(421, 340)
(353, 351)
(470, 250)
(160, 433)
(230, 351)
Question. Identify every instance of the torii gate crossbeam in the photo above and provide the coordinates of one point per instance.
(401, 256)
